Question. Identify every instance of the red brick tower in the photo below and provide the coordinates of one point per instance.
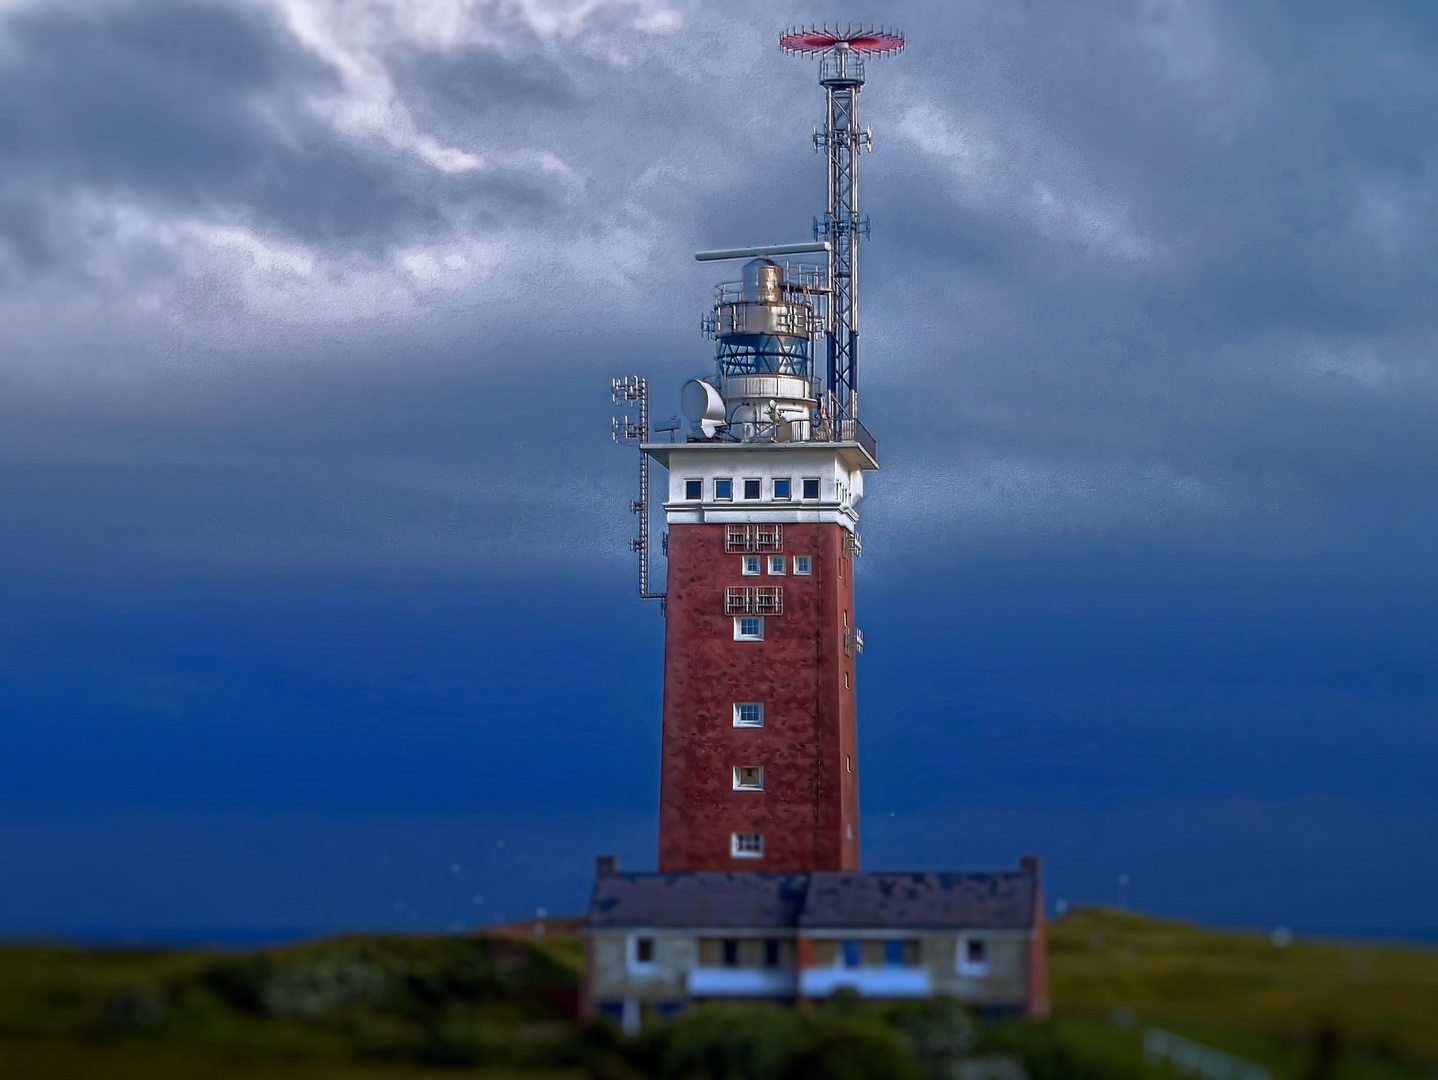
(760, 756)
(760, 762)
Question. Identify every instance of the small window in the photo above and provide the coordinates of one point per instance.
(773, 952)
(776, 565)
(750, 628)
(751, 565)
(641, 953)
(693, 489)
(849, 762)
(853, 953)
(747, 845)
(783, 488)
(849, 830)
(748, 778)
(811, 489)
(748, 714)
(751, 489)
(724, 490)
(803, 564)
(973, 957)
(846, 680)
(731, 950)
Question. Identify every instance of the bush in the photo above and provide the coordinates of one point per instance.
(718, 1043)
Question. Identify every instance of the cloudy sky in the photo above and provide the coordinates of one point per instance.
(314, 603)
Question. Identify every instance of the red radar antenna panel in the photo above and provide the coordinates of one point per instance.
(869, 40)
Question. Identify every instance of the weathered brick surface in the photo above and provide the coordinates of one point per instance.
(807, 744)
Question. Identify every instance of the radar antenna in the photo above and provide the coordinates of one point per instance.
(841, 52)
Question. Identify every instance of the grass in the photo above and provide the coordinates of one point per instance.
(501, 1007)
(1237, 991)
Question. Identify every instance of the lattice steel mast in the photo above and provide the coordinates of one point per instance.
(841, 55)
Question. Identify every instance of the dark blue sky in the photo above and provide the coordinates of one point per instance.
(314, 604)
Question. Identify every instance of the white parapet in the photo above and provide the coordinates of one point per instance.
(742, 982)
(876, 982)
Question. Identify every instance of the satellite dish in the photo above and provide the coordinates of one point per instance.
(703, 407)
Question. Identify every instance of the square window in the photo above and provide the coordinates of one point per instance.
(811, 489)
(776, 565)
(694, 489)
(748, 714)
(783, 488)
(803, 564)
(751, 565)
(748, 778)
(751, 489)
(748, 628)
(973, 957)
(724, 489)
(746, 845)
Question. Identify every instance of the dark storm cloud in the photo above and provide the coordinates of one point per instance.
(200, 108)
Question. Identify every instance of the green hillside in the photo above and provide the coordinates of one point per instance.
(502, 1006)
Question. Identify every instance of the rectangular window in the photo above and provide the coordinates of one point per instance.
(731, 953)
(738, 600)
(751, 565)
(751, 489)
(853, 953)
(776, 565)
(738, 538)
(641, 953)
(768, 538)
(724, 489)
(693, 489)
(811, 489)
(783, 488)
(803, 564)
(769, 600)
(748, 628)
(747, 845)
(901, 953)
(973, 957)
(748, 714)
(748, 778)
(773, 952)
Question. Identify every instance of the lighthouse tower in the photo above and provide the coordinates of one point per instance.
(760, 763)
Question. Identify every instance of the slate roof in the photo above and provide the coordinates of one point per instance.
(824, 900)
(1000, 901)
(733, 901)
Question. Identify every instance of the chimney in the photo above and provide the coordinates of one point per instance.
(606, 866)
(1029, 864)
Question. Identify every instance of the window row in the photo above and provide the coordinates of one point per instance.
(747, 600)
(754, 538)
(971, 956)
(753, 565)
(781, 488)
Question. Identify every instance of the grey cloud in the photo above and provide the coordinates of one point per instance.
(1181, 282)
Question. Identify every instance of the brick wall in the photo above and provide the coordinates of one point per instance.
(807, 745)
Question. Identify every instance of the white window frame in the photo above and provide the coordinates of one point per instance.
(780, 562)
(734, 849)
(774, 487)
(693, 480)
(745, 489)
(631, 954)
(815, 479)
(739, 634)
(739, 706)
(807, 564)
(723, 498)
(740, 786)
(757, 561)
(971, 969)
